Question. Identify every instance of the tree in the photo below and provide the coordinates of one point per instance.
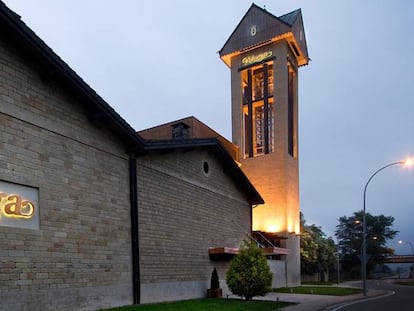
(214, 281)
(317, 251)
(349, 234)
(249, 274)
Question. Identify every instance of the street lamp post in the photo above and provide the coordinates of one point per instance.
(338, 271)
(364, 225)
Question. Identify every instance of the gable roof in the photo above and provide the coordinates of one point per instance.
(229, 166)
(267, 28)
(196, 129)
(52, 68)
(291, 17)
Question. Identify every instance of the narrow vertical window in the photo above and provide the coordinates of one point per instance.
(291, 114)
(258, 119)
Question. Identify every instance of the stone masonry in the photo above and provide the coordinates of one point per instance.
(178, 227)
(82, 250)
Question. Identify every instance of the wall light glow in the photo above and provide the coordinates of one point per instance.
(272, 228)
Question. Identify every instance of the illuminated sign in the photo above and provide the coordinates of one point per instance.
(252, 59)
(12, 205)
(18, 206)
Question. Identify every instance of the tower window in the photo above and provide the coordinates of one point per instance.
(259, 81)
(258, 110)
(291, 114)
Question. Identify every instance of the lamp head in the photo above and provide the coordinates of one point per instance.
(408, 162)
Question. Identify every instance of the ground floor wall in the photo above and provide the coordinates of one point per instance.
(171, 291)
(286, 271)
(315, 277)
(278, 269)
(292, 259)
(67, 299)
(182, 213)
(77, 256)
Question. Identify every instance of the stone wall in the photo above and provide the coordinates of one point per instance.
(80, 258)
(279, 273)
(182, 213)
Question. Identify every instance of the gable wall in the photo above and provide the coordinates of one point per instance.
(267, 27)
(79, 258)
(183, 213)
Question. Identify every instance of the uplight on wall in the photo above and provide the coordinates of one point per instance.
(272, 228)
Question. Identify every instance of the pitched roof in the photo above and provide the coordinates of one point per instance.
(267, 28)
(229, 166)
(290, 18)
(196, 129)
(52, 67)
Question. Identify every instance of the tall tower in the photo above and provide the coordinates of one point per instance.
(264, 53)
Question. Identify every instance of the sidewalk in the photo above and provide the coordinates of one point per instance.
(317, 302)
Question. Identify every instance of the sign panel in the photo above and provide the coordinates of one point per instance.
(252, 59)
(19, 206)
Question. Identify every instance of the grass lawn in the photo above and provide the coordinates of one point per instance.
(320, 290)
(208, 305)
(408, 283)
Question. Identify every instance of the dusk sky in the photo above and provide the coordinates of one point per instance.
(156, 62)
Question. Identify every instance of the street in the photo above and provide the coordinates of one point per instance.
(401, 300)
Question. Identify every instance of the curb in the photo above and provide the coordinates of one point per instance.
(343, 304)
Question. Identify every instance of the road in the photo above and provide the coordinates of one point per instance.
(402, 300)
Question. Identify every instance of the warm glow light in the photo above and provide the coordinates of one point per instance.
(408, 162)
(297, 228)
(272, 228)
(276, 218)
(13, 206)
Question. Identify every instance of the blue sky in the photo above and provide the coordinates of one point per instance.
(157, 61)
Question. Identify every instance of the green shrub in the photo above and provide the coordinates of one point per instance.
(249, 274)
(214, 282)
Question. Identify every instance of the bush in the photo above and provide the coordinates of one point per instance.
(249, 274)
(214, 282)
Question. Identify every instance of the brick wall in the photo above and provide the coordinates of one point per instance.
(80, 258)
(182, 213)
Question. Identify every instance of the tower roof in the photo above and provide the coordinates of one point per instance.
(259, 27)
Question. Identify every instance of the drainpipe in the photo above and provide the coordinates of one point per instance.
(133, 197)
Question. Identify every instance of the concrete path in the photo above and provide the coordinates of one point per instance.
(318, 302)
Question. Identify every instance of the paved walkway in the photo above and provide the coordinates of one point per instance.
(317, 302)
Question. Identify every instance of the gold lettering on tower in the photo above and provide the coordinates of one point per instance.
(252, 59)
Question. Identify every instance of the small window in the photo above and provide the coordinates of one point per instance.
(180, 131)
(206, 168)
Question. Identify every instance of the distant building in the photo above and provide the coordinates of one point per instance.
(94, 215)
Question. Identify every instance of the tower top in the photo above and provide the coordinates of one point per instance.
(258, 27)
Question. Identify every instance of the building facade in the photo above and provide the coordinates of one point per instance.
(95, 215)
(264, 53)
(92, 215)
(79, 248)
(187, 206)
